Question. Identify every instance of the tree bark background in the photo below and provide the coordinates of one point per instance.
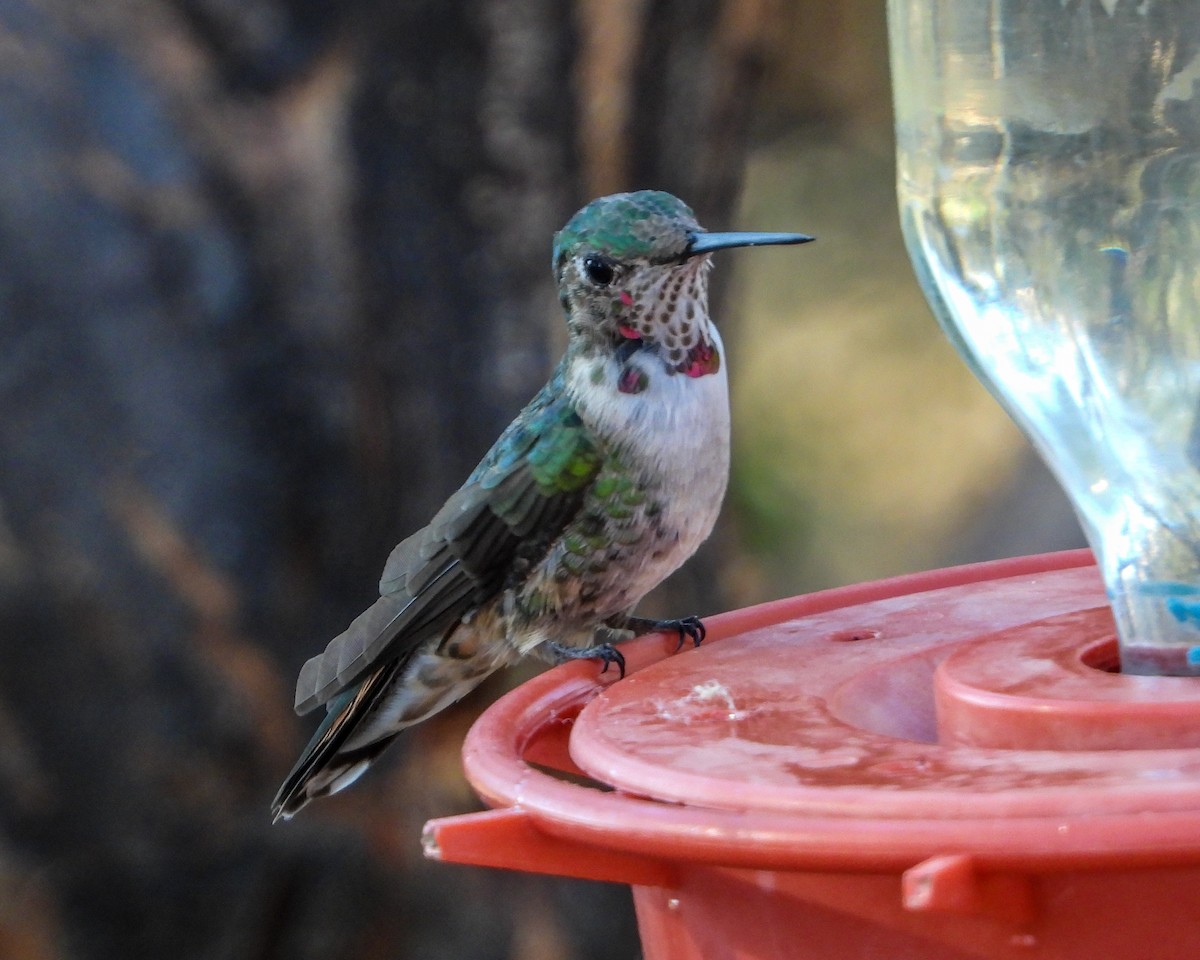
(273, 275)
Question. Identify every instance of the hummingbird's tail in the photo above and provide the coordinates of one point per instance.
(324, 766)
(365, 718)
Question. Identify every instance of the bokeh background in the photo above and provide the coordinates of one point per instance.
(273, 275)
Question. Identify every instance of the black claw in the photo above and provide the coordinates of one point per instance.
(690, 628)
(609, 654)
(606, 653)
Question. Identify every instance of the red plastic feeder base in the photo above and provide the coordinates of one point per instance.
(941, 766)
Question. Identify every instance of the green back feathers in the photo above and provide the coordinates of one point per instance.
(564, 458)
(550, 442)
(648, 223)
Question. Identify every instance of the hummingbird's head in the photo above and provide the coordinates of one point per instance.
(632, 272)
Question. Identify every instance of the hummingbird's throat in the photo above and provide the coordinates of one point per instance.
(666, 312)
(701, 359)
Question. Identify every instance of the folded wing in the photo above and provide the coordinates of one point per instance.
(515, 504)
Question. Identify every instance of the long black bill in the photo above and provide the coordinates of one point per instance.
(707, 242)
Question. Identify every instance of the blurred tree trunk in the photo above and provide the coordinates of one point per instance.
(272, 277)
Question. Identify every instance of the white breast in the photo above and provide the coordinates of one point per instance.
(676, 430)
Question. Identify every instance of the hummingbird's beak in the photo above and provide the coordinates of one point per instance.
(707, 242)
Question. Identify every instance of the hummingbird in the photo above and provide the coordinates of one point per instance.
(608, 480)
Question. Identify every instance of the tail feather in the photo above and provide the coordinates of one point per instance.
(363, 720)
(323, 767)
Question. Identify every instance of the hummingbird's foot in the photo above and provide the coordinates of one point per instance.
(688, 628)
(604, 652)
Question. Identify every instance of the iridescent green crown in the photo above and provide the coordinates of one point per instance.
(648, 223)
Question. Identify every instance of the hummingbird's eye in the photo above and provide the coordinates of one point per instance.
(599, 270)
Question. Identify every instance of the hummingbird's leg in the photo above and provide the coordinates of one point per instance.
(688, 628)
(605, 652)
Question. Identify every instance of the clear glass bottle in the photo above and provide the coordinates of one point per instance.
(1049, 188)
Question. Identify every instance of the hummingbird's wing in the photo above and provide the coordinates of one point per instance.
(516, 502)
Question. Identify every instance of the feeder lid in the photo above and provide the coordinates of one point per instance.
(986, 700)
